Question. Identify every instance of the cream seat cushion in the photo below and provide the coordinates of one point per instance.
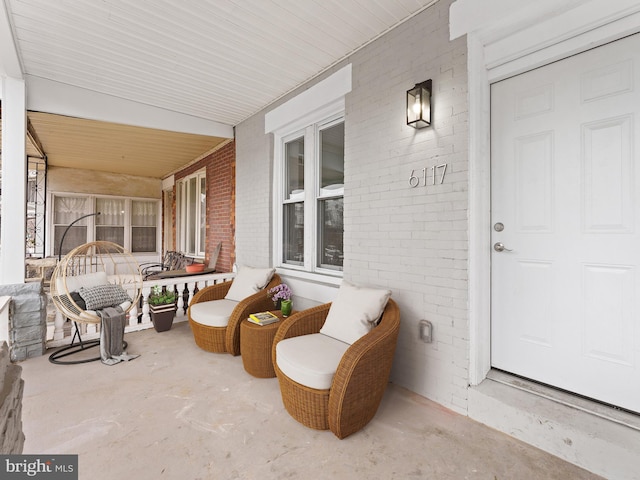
(311, 360)
(214, 313)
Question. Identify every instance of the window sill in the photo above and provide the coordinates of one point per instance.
(320, 278)
(310, 289)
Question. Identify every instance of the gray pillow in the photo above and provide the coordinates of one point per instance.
(102, 296)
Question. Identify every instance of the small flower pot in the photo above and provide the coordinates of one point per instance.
(162, 316)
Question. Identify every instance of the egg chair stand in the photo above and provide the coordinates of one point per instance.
(107, 276)
(75, 348)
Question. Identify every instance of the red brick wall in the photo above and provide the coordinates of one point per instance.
(221, 199)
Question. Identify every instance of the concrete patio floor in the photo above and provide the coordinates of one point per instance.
(178, 412)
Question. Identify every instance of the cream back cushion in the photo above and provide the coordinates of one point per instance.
(354, 312)
(248, 281)
(87, 280)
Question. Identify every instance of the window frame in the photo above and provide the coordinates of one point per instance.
(183, 214)
(90, 221)
(309, 128)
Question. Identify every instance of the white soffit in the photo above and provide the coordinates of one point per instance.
(9, 60)
(220, 60)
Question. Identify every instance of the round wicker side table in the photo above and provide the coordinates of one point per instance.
(255, 347)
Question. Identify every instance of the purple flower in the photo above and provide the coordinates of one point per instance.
(279, 292)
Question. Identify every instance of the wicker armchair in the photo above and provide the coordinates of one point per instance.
(360, 379)
(227, 339)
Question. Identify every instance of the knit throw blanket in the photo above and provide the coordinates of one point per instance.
(112, 336)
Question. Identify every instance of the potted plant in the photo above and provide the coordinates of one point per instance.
(162, 308)
(281, 297)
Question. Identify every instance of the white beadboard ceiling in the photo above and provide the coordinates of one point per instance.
(219, 60)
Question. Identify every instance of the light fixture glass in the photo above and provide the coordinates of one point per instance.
(419, 105)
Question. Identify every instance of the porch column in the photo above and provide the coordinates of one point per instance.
(14, 182)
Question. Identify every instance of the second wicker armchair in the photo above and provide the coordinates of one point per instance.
(334, 376)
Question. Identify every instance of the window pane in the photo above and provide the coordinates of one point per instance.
(76, 236)
(144, 213)
(68, 209)
(191, 215)
(293, 235)
(110, 234)
(294, 169)
(332, 160)
(330, 233)
(330, 210)
(111, 211)
(203, 213)
(143, 239)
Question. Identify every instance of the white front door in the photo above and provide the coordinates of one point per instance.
(565, 205)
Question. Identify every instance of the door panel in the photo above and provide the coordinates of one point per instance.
(565, 293)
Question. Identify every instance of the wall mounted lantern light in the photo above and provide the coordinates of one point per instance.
(419, 105)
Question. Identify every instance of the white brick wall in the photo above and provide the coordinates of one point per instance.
(411, 240)
(254, 171)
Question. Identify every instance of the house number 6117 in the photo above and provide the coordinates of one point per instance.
(433, 172)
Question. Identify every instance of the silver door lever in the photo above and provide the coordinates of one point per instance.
(499, 247)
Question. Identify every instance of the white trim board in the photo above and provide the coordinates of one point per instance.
(54, 97)
(322, 95)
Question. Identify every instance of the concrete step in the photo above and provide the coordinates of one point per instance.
(598, 438)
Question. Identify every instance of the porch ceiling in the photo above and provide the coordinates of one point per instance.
(110, 147)
(217, 60)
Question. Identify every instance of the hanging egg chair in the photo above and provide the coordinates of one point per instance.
(91, 277)
(94, 276)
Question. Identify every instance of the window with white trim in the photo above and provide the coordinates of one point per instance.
(312, 178)
(191, 213)
(309, 177)
(131, 223)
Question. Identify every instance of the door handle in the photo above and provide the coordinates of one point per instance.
(499, 247)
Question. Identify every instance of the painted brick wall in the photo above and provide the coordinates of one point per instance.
(220, 227)
(254, 164)
(411, 240)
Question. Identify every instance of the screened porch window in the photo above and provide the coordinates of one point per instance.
(65, 211)
(131, 223)
(144, 226)
(191, 208)
(110, 223)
